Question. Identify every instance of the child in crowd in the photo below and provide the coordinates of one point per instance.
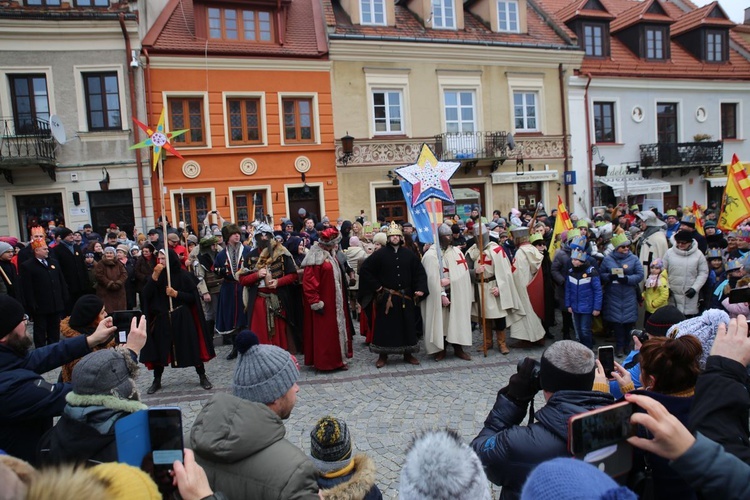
(656, 288)
(583, 296)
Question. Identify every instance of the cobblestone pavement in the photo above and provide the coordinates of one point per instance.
(383, 408)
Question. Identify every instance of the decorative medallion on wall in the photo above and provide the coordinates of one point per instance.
(191, 169)
(248, 166)
(302, 164)
(701, 114)
(637, 114)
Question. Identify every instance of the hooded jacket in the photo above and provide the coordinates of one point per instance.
(241, 446)
(510, 451)
(621, 299)
(357, 485)
(685, 269)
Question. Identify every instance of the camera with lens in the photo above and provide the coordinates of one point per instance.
(642, 336)
(535, 372)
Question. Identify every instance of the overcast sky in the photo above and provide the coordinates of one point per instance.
(735, 9)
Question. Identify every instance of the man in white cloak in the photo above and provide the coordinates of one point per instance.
(446, 312)
(524, 323)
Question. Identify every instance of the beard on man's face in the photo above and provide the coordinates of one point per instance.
(266, 244)
(20, 344)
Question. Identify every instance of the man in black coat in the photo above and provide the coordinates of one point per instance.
(45, 293)
(510, 451)
(73, 267)
(27, 401)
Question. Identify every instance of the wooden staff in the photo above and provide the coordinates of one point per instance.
(164, 229)
(481, 286)
(5, 277)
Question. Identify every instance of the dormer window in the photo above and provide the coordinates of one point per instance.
(656, 37)
(715, 45)
(507, 16)
(443, 14)
(240, 25)
(595, 39)
(373, 12)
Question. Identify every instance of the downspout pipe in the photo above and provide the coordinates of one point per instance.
(149, 113)
(133, 109)
(566, 163)
(589, 159)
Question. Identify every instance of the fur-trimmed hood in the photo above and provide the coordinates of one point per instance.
(315, 256)
(357, 486)
(279, 252)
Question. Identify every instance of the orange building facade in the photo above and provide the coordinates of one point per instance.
(251, 83)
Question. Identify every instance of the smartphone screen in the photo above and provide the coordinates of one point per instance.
(122, 320)
(607, 359)
(600, 428)
(165, 430)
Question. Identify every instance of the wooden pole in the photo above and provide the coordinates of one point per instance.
(481, 285)
(436, 237)
(164, 227)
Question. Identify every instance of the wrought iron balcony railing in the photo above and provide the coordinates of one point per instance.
(682, 154)
(471, 145)
(29, 142)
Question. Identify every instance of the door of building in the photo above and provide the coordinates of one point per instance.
(672, 198)
(38, 210)
(192, 208)
(529, 194)
(666, 130)
(249, 206)
(114, 206)
(390, 204)
(307, 197)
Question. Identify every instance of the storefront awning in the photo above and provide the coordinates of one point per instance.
(464, 194)
(716, 181)
(636, 186)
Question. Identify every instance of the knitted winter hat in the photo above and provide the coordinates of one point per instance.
(662, 320)
(125, 482)
(263, 373)
(5, 247)
(552, 378)
(109, 250)
(380, 239)
(85, 311)
(330, 445)
(192, 239)
(439, 465)
(11, 314)
(684, 236)
(63, 232)
(571, 479)
(703, 327)
(123, 248)
(106, 378)
(657, 263)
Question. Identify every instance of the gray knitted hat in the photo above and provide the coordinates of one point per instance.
(263, 373)
(330, 445)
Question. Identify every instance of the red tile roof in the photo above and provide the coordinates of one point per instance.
(636, 14)
(174, 33)
(576, 9)
(682, 64)
(698, 18)
(409, 28)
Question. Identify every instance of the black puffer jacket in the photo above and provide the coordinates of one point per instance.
(510, 451)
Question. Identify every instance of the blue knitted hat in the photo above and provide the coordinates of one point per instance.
(571, 479)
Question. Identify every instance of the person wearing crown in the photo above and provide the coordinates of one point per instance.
(268, 273)
(394, 278)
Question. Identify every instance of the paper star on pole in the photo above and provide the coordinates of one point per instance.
(158, 139)
(429, 177)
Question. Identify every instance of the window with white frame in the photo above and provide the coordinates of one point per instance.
(443, 14)
(460, 111)
(387, 111)
(525, 111)
(373, 11)
(507, 15)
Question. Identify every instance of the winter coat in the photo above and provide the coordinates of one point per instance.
(27, 401)
(510, 451)
(110, 284)
(657, 296)
(652, 247)
(68, 332)
(686, 269)
(44, 288)
(713, 471)
(721, 406)
(241, 446)
(143, 269)
(621, 299)
(560, 266)
(357, 485)
(583, 290)
(73, 267)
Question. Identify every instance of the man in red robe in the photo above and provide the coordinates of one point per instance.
(328, 328)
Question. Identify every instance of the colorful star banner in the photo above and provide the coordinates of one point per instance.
(158, 138)
(421, 215)
(429, 177)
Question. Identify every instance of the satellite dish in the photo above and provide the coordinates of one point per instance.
(57, 129)
(511, 142)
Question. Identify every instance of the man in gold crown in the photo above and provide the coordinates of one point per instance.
(394, 278)
(26, 253)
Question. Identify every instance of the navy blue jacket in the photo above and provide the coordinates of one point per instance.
(27, 401)
(583, 290)
(621, 299)
(510, 451)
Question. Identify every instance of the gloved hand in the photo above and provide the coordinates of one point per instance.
(522, 386)
(612, 278)
(623, 280)
(690, 293)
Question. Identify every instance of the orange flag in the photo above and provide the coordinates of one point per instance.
(735, 204)
(562, 223)
(698, 213)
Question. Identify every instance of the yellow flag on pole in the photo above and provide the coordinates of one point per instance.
(562, 223)
(735, 204)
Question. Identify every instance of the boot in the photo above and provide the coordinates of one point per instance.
(233, 353)
(501, 343)
(205, 383)
(459, 352)
(487, 343)
(382, 360)
(155, 385)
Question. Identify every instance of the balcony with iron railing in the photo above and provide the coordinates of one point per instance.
(683, 155)
(24, 144)
(472, 145)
